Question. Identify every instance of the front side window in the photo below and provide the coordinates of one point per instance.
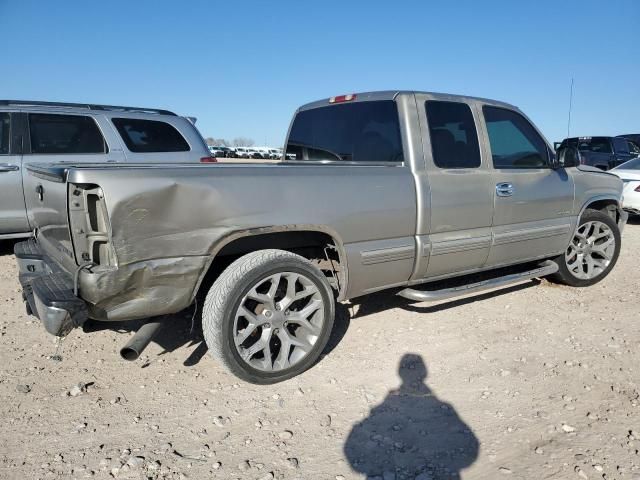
(65, 134)
(454, 140)
(150, 136)
(633, 148)
(514, 142)
(5, 126)
(352, 132)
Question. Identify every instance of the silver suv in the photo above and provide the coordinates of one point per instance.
(46, 131)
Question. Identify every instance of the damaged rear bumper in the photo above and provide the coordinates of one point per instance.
(48, 291)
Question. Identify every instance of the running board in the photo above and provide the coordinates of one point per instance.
(546, 268)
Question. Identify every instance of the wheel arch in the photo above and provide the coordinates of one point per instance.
(606, 203)
(295, 238)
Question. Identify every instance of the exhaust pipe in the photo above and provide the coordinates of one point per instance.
(134, 347)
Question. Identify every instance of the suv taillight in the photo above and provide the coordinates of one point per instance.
(637, 189)
(210, 159)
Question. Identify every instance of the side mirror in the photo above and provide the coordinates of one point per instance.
(567, 157)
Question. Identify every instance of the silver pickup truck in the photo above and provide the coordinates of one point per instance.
(383, 190)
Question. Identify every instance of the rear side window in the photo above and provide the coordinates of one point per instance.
(620, 144)
(4, 133)
(65, 134)
(454, 140)
(513, 140)
(352, 132)
(149, 136)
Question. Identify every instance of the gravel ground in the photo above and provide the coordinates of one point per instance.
(533, 382)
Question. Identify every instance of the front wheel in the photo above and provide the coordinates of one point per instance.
(268, 316)
(592, 252)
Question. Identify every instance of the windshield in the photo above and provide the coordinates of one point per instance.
(630, 165)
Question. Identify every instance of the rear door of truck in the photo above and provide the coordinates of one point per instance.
(459, 179)
(13, 218)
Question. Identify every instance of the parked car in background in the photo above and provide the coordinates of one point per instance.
(217, 152)
(629, 172)
(32, 131)
(227, 153)
(242, 152)
(364, 207)
(275, 153)
(634, 137)
(601, 152)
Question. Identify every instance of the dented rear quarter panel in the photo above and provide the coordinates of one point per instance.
(168, 223)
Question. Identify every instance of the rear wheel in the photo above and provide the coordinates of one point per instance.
(592, 252)
(268, 316)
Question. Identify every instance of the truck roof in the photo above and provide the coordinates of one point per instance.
(393, 94)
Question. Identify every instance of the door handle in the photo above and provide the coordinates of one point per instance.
(5, 167)
(504, 189)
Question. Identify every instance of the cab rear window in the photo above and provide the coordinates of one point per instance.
(150, 136)
(366, 132)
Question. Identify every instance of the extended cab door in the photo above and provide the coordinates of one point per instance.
(533, 203)
(460, 184)
(13, 216)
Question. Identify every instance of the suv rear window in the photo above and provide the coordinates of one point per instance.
(64, 134)
(352, 132)
(150, 136)
(4, 133)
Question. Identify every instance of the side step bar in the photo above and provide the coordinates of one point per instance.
(546, 268)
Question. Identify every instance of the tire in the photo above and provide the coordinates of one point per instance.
(576, 274)
(244, 312)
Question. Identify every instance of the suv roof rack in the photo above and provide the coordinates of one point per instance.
(89, 106)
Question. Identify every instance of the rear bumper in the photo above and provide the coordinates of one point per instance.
(48, 291)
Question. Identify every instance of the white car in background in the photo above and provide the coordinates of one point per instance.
(629, 172)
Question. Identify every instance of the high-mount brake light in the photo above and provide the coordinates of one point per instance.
(342, 98)
(208, 160)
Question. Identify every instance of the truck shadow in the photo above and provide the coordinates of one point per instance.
(412, 433)
(6, 247)
(183, 330)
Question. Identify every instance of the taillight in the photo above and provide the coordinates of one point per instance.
(210, 159)
(342, 98)
(637, 189)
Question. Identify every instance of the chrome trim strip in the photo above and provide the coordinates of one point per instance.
(383, 255)
(462, 245)
(530, 234)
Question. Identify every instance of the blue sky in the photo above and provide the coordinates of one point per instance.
(242, 67)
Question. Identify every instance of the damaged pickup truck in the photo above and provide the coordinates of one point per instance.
(388, 190)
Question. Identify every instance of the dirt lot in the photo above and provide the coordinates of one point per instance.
(535, 382)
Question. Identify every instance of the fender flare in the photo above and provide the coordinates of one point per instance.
(252, 232)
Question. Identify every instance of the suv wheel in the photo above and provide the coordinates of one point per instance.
(268, 316)
(592, 252)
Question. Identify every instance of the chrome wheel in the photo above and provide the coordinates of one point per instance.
(591, 250)
(278, 321)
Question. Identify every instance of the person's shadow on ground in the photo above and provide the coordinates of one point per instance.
(412, 434)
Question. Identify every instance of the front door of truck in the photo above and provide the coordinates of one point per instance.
(13, 217)
(533, 203)
(461, 202)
